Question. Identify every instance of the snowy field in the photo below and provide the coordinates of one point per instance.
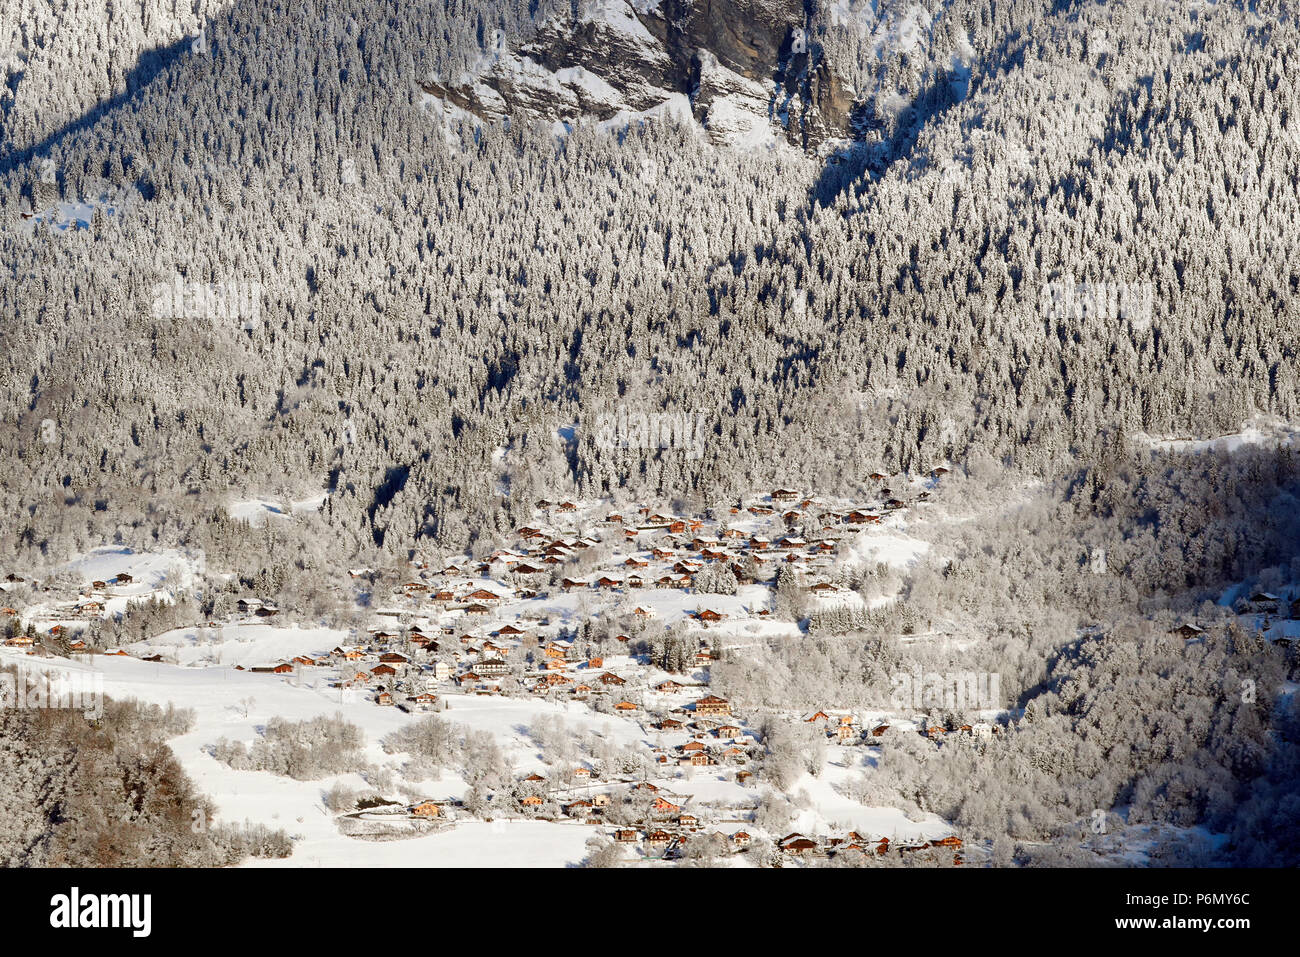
(235, 704)
(257, 511)
(161, 575)
(218, 697)
(1264, 432)
(248, 645)
(150, 571)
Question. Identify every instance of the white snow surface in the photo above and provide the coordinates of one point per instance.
(257, 511)
(1260, 431)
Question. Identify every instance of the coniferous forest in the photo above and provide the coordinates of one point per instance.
(245, 253)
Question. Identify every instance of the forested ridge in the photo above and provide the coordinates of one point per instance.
(478, 287)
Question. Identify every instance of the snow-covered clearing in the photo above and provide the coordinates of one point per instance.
(257, 511)
(150, 571)
(248, 645)
(833, 812)
(219, 697)
(1265, 432)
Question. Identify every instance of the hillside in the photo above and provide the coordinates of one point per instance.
(883, 308)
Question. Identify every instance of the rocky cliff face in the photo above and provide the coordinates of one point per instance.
(745, 70)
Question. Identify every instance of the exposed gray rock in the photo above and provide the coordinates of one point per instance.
(743, 68)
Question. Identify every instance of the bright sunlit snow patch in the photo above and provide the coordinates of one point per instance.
(250, 646)
(889, 548)
(831, 810)
(593, 85)
(861, 14)
(1258, 432)
(904, 34)
(149, 571)
(962, 59)
(740, 127)
(676, 108)
(450, 115)
(257, 511)
(617, 15)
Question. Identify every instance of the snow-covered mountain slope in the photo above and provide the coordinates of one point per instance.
(60, 59)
